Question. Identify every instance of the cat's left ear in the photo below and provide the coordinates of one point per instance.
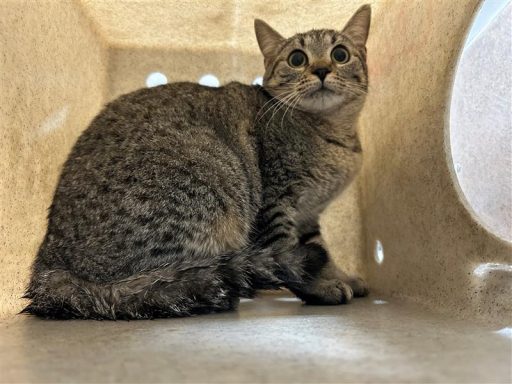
(358, 26)
(268, 39)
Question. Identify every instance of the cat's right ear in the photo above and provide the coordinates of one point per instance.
(358, 26)
(268, 39)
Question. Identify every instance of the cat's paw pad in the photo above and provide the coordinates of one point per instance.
(328, 292)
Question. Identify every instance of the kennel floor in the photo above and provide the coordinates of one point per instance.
(272, 339)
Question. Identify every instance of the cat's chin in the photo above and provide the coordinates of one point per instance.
(322, 100)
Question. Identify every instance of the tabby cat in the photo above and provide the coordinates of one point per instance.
(179, 199)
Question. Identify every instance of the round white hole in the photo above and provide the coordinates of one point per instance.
(258, 81)
(155, 78)
(209, 80)
(379, 252)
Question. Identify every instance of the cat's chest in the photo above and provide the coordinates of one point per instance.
(331, 170)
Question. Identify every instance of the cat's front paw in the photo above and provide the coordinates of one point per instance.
(359, 286)
(326, 292)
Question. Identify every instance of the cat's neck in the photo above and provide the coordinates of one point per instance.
(341, 120)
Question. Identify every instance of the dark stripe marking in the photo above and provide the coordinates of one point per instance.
(274, 238)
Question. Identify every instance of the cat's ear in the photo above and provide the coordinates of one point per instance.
(268, 38)
(358, 26)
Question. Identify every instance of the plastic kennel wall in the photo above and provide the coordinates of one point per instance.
(403, 224)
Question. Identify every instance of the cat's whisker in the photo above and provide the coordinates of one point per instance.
(297, 102)
(266, 103)
(284, 103)
(292, 105)
(286, 98)
(275, 111)
(359, 89)
(272, 105)
(294, 101)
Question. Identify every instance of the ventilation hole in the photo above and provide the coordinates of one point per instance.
(379, 252)
(209, 80)
(155, 78)
(258, 81)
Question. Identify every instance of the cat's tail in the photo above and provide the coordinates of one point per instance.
(173, 290)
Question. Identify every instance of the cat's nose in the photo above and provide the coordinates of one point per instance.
(321, 73)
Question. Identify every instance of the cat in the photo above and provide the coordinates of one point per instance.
(179, 199)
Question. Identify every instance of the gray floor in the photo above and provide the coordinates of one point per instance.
(270, 339)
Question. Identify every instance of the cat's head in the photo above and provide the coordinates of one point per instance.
(320, 70)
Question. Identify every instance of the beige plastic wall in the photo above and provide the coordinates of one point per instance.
(432, 243)
(53, 72)
(90, 51)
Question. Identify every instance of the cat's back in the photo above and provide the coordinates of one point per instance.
(172, 107)
(176, 118)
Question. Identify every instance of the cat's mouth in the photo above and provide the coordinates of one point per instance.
(325, 89)
(320, 90)
(321, 97)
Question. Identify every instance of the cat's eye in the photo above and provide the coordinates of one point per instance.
(297, 59)
(340, 54)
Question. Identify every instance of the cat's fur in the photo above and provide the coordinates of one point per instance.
(179, 199)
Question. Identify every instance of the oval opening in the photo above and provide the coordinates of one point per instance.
(480, 128)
